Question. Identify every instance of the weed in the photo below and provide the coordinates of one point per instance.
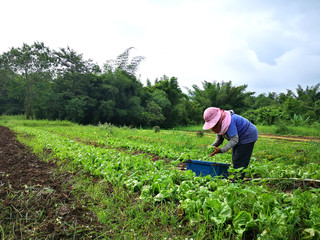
(156, 129)
(200, 133)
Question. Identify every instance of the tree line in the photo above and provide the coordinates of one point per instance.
(60, 84)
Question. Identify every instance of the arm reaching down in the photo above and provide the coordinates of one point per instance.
(218, 141)
(232, 142)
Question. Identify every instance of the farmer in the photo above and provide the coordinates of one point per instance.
(239, 131)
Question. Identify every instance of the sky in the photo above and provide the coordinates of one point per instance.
(269, 45)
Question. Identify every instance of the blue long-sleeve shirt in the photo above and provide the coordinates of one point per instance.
(240, 131)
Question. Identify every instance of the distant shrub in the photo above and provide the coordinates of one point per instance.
(299, 120)
(282, 128)
(316, 125)
(200, 133)
(267, 115)
(107, 126)
(156, 129)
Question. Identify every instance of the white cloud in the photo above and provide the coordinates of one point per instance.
(268, 45)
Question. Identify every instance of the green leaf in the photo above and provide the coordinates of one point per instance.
(226, 211)
(216, 211)
(310, 234)
(189, 206)
(159, 197)
(315, 216)
(133, 184)
(242, 222)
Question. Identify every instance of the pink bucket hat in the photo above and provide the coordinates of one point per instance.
(212, 116)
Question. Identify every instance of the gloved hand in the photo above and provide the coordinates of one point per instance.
(216, 150)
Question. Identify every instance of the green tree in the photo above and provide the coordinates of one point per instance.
(308, 98)
(263, 100)
(42, 101)
(124, 63)
(194, 111)
(222, 95)
(266, 115)
(160, 97)
(76, 108)
(167, 93)
(12, 93)
(106, 109)
(293, 106)
(122, 91)
(317, 111)
(34, 63)
(125, 91)
(309, 95)
(153, 114)
(75, 85)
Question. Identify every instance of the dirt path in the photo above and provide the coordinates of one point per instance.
(289, 138)
(35, 201)
(19, 167)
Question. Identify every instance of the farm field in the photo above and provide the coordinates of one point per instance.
(133, 182)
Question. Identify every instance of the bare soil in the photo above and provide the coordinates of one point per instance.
(36, 201)
(290, 138)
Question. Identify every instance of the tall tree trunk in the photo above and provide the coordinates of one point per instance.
(27, 101)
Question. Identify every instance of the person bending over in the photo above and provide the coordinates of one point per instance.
(239, 131)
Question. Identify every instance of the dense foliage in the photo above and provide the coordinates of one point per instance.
(48, 84)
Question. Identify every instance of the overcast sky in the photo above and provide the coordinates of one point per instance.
(270, 45)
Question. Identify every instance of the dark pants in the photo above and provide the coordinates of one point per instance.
(241, 155)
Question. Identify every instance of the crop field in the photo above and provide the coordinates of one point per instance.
(139, 188)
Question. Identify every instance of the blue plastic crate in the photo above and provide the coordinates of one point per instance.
(203, 168)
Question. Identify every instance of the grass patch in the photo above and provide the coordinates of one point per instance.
(310, 131)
